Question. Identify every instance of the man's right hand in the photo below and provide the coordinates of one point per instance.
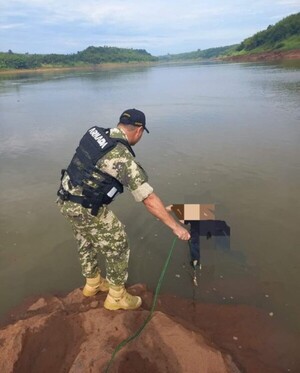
(155, 206)
(181, 233)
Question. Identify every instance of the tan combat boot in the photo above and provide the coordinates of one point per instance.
(94, 285)
(118, 298)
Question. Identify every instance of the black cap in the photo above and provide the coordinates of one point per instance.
(134, 117)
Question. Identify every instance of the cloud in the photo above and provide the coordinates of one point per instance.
(142, 15)
(295, 3)
(129, 12)
(156, 25)
(11, 26)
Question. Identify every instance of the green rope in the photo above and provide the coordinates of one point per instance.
(157, 290)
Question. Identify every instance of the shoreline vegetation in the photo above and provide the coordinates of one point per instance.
(271, 56)
(90, 57)
(277, 42)
(96, 67)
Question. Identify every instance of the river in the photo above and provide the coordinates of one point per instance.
(221, 133)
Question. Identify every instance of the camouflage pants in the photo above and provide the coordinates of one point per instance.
(103, 233)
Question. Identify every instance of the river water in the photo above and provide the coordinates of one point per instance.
(226, 134)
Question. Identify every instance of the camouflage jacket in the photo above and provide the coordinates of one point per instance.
(119, 163)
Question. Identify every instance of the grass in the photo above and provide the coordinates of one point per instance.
(288, 44)
(291, 43)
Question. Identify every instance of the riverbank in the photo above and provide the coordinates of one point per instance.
(73, 333)
(255, 57)
(265, 56)
(99, 67)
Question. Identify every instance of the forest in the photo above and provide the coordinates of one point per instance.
(284, 35)
(89, 56)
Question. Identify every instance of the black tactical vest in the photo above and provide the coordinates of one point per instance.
(98, 188)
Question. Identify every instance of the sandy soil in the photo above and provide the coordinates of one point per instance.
(266, 56)
(76, 334)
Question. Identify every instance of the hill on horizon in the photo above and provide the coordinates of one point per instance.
(284, 35)
(89, 56)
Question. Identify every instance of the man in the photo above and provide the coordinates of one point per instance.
(104, 163)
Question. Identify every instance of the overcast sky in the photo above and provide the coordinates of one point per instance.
(159, 26)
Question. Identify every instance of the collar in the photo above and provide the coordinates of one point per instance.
(118, 133)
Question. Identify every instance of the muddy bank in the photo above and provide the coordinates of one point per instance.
(266, 56)
(76, 334)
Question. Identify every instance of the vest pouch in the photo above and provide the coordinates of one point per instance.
(110, 188)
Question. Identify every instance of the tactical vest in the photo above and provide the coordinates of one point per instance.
(98, 187)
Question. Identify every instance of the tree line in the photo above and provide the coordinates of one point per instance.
(285, 33)
(198, 55)
(89, 56)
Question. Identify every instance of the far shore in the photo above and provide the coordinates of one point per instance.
(99, 67)
(265, 56)
(254, 57)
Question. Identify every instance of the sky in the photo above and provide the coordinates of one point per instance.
(159, 26)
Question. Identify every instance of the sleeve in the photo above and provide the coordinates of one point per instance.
(142, 192)
(130, 173)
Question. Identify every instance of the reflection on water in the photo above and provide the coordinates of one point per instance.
(225, 134)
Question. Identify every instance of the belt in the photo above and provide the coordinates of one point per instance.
(66, 196)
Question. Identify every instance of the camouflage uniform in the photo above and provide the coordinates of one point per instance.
(105, 233)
